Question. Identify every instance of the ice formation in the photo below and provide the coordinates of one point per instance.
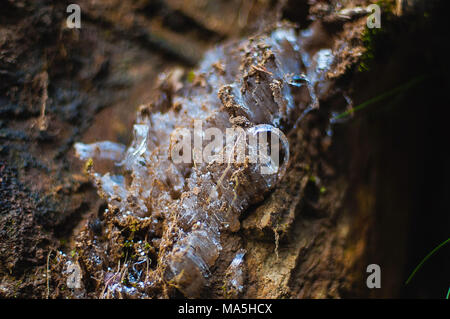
(262, 84)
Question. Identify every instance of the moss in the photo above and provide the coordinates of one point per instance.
(127, 244)
(371, 37)
(369, 42)
(387, 6)
(18, 283)
(190, 76)
(88, 165)
(147, 248)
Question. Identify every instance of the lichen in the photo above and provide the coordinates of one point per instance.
(372, 37)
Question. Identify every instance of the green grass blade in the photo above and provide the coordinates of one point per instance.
(425, 259)
(382, 96)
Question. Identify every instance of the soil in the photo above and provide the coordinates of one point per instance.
(371, 191)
